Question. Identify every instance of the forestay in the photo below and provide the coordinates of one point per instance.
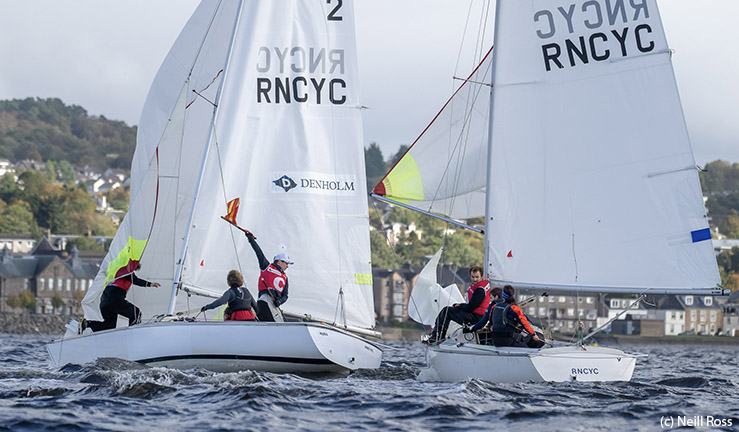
(592, 179)
(257, 101)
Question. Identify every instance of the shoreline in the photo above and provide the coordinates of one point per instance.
(666, 340)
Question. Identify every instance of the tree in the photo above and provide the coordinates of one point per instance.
(65, 172)
(13, 301)
(730, 227)
(27, 300)
(79, 210)
(9, 191)
(396, 157)
(374, 165)
(728, 262)
(459, 251)
(720, 177)
(57, 302)
(382, 255)
(50, 172)
(118, 198)
(17, 219)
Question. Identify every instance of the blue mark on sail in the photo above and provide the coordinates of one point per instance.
(700, 235)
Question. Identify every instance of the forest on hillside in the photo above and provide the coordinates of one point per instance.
(47, 129)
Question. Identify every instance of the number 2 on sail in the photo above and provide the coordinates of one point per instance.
(332, 16)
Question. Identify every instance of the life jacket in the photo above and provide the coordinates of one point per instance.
(272, 278)
(123, 283)
(498, 320)
(241, 306)
(241, 302)
(480, 309)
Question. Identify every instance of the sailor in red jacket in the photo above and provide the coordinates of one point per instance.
(478, 299)
(272, 285)
(113, 301)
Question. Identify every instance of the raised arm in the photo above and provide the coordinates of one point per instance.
(263, 262)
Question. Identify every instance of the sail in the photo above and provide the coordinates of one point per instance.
(257, 101)
(260, 101)
(444, 170)
(171, 138)
(428, 297)
(593, 182)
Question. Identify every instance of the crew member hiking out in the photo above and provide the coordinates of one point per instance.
(478, 298)
(272, 282)
(239, 299)
(113, 302)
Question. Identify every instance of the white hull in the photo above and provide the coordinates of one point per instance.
(451, 361)
(224, 347)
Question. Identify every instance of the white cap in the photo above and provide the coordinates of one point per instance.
(282, 256)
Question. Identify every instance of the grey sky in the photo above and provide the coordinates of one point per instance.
(103, 54)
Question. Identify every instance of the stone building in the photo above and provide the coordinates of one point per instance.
(731, 315)
(562, 312)
(391, 291)
(48, 274)
(703, 315)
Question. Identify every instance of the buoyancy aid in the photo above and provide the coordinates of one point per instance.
(272, 278)
(480, 309)
(241, 302)
(123, 283)
(503, 322)
(498, 319)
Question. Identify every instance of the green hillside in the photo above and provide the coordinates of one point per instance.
(47, 129)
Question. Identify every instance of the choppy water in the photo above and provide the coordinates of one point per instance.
(114, 395)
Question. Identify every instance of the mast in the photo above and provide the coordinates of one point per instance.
(488, 174)
(180, 262)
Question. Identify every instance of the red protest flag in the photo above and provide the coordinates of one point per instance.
(233, 208)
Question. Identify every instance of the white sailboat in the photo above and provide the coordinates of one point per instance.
(257, 101)
(589, 179)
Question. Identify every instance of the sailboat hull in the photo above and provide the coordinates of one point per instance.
(224, 347)
(458, 362)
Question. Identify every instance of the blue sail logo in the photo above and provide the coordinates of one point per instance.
(285, 183)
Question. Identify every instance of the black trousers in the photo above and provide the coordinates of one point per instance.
(450, 313)
(263, 312)
(114, 303)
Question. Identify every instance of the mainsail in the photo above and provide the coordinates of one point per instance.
(257, 101)
(592, 181)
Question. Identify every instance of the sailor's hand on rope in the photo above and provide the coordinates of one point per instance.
(466, 330)
(155, 284)
(249, 235)
(202, 309)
